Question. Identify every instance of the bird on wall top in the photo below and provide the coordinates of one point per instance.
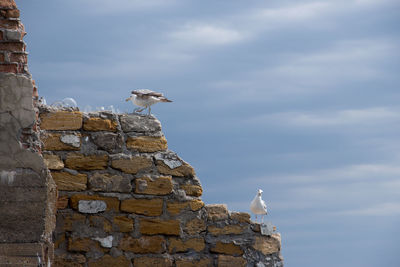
(145, 98)
(258, 206)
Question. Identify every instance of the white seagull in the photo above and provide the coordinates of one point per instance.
(258, 206)
(145, 98)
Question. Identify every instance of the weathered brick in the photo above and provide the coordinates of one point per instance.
(143, 245)
(157, 226)
(62, 202)
(192, 190)
(81, 244)
(217, 212)
(175, 208)
(109, 183)
(98, 124)
(100, 222)
(190, 262)
(242, 217)
(79, 161)
(112, 202)
(12, 46)
(132, 165)
(52, 141)
(69, 182)
(228, 261)
(53, 162)
(182, 171)
(226, 230)
(19, 58)
(70, 221)
(147, 143)
(148, 207)
(61, 120)
(123, 224)
(227, 248)
(195, 226)
(150, 262)
(268, 244)
(177, 245)
(7, 4)
(158, 186)
(13, 68)
(108, 261)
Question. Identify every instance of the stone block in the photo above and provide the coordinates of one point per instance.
(195, 226)
(9, 24)
(69, 182)
(147, 143)
(184, 170)
(177, 245)
(109, 183)
(192, 190)
(53, 142)
(152, 262)
(81, 244)
(105, 242)
(123, 224)
(108, 261)
(175, 208)
(242, 217)
(226, 230)
(158, 186)
(217, 212)
(140, 124)
(12, 46)
(62, 202)
(99, 124)
(228, 261)
(148, 207)
(69, 221)
(61, 120)
(112, 202)
(132, 165)
(107, 141)
(101, 223)
(12, 68)
(53, 162)
(91, 206)
(8, 4)
(12, 13)
(69, 260)
(79, 161)
(268, 244)
(227, 248)
(190, 262)
(143, 245)
(157, 226)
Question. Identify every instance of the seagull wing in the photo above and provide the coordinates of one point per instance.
(148, 92)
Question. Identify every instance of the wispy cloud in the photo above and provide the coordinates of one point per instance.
(383, 209)
(104, 7)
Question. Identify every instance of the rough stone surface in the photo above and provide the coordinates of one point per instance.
(112, 202)
(217, 212)
(226, 230)
(108, 261)
(157, 226)
(228, 261)
(140, 124)
(132, 165)
(79, 161)
(61, 120)
(227, 248)
(205, 262)
(175, 208)
(178, 245)
(53, 162)
(144, 244)
(99, 124)
(148, 207)
(158, 186)
(52, 142)
(147, 143)
(242, 217)
(109, 183)
(69, 182)
(182, 171)
(192, 190)
(195, 226)
(148, 261)
(268, 245)
(91, 206)
(123, 224)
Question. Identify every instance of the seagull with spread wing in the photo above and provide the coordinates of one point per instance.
(145, 98)
(258, 206)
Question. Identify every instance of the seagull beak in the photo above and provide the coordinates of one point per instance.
(127, 99)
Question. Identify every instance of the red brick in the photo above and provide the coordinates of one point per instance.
(9, 68)
(19, 57)
(12, 13)
(9, 24)
(1, 35)
(1, 57)
(7, 4)
(10, 46)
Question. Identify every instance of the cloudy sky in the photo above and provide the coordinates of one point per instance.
(299, 98)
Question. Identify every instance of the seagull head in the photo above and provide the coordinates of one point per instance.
(259, 192)
(130, 98)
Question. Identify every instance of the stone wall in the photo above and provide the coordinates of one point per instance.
(126, 200)
(27, 192)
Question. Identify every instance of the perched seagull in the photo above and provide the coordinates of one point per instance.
(145, 98)
(258, 206)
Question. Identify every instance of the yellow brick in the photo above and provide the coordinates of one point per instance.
(62, 202)
(148, 207)
(61, 120)
(205, 262)
(79, 161)
(123, 224)
(152, 262)
(182, 171)
(158, 186)
(175, 208)
(195, 226)
(227, 248)
(52, 142)
(69, 182)
(53, 162)
(177, 245)
(147, 143)
(143, 245)
(108, 261)
(226, 230)
(98, 124)
(192, 190)
(217, 212)
(81, 244)
(268, 244)
(157, 226)
(228, 261)
(242, 217)
(100, 222)
(112, 202)
(72, 219)
(132, 165)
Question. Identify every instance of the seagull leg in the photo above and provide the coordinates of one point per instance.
(149, 110)
(138, 110)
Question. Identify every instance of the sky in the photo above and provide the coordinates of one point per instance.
(298, 98)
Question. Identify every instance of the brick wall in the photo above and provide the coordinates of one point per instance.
(126, 200)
